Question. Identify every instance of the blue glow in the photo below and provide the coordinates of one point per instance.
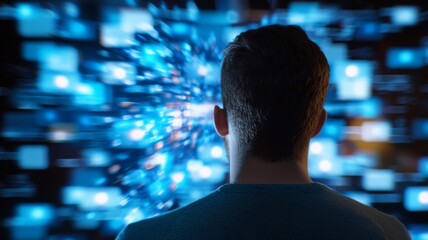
(411, 58)
(118, 73)
(96, 157)
(303, 12)
(89, 198)
(404, 15)
(361, 197)
(333, 128)
(136, 20)
(376, 131)
(159, 190)
(209, 152)
(180, 29)
(114, 36)
(378, 180)
(71, 9)
(323, 147)
(25, 10)
(354, 79)
(35, 22)
(370, 108)
(58, 82)
(416, 198)
(133, 216)
(77, 29)
(153, 57)
(90, 93)
(423, 166)
(33, 157)
(87, 176)
(35, 214)
(420, 128)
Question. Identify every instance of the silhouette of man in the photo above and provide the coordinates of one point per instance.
(274, 81)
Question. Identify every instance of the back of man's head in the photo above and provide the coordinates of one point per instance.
(274, 81)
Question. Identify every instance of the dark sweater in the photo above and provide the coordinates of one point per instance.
(252, 211)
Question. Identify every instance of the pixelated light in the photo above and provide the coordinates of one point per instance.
(352, 71)
(98, 158)
(405, 56)
(24, 10)
(376, 131)
(71, 9)
(378, 180)
(119, 73)
(159, 159)
(194, 165)
(202, 70)
(325, 165)
(315, 147)
(216, 152)
(149, 51)
(405, 15)
(139, 123)
(177, 122)
(84, 89)
(61, 81)
(423, 197)
(177, 177)
(136, 134)
(60, 135)
(133, 216)
(205, 172)
(37, 213)
(101, 198)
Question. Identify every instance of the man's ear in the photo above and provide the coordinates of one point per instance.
(220, 121)
(320, 123)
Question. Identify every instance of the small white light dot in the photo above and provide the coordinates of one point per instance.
(61, 82)
(315, 147)
(352, 71)
(119, 73)
(177, 177)
(423, 197)
(37, 213)
(101, 198)
(205, 172)
(325, 165)
(136, 134)
(216, 152)
(202, 70)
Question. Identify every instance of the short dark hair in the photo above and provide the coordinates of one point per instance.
(274, 82)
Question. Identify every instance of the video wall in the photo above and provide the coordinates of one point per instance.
(106, 110)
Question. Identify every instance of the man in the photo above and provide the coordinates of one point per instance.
(274, 81)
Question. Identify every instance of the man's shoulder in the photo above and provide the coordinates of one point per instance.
(361, 215)
(157, 227)
(160, 226)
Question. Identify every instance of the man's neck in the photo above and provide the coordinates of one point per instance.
(259, 171)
